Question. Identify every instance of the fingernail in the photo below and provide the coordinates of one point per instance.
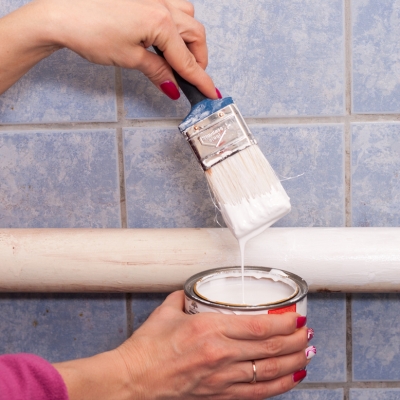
(170, 89)
(218, 93)
(299, 375)
(301, 321)
(310, 333)
(311, 352)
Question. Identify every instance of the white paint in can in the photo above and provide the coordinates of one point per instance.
(268, 291)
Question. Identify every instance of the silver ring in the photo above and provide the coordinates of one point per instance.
(254, 372)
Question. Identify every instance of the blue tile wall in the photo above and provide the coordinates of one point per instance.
(281, 58)
(326, 314)
(375, 174)
(61, 327)
(374, 394)
(376, 49)
(165, 186)
(312, 394)
(312, 171)
(54, 91)
(59, 179)
(376, 338)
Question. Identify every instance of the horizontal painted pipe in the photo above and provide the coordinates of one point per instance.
(160, 260)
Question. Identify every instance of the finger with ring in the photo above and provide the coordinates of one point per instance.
(254, 372)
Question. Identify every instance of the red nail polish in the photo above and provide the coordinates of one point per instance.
(170, 89)
(310, 333)
(301, 321)
(218, 93)
(299, 375)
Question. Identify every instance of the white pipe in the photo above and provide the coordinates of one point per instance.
(156, 260)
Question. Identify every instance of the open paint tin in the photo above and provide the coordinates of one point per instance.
(266, 291)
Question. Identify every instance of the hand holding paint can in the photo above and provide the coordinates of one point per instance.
(268, 291)
(212, 355)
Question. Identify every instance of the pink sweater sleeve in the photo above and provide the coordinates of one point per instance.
(29, 377)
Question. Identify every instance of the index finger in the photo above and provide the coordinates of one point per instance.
(184, 62)
(258, 327)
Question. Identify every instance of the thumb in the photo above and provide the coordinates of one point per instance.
(159, 73)
(176, 300)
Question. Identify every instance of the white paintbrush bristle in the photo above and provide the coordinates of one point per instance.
(249, 193)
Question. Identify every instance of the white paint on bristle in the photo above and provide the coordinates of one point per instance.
(249, 193)
(250, 196)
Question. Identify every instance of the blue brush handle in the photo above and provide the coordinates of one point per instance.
(191, 92)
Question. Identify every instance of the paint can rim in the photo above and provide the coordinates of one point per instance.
(301, 292)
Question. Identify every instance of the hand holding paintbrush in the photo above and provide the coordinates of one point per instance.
(247, 190)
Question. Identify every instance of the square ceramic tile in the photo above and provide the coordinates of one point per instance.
(376, 339)
(143, 100)
(61, 327)
(59, 179)
(61, 88)
(375, 190)
(165, 185)
(374, 394)
(309, 161)
(312, 394)
(274, 58)
(376, 53)
(143, 304)
(327, 316)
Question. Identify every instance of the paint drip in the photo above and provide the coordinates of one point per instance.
(251, 217)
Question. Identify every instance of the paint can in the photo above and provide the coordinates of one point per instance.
(266, 291)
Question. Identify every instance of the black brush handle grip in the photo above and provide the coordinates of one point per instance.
(191, 92)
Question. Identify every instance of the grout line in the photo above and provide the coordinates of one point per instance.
(129, 315)
(120, 145)
(173, 122)
(348, 105)
(349, 348)
(347, 182)
(347, 174)
(121, 169)
(348, 55)
(353, 385)
(122, 191)
(119, 95)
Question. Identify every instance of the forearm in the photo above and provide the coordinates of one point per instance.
(26, 37)
(101, 377)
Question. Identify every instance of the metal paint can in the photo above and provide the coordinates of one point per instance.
(282, 291)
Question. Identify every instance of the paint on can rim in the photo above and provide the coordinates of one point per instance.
(289, 294)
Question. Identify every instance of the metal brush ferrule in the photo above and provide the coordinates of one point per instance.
(219, 136)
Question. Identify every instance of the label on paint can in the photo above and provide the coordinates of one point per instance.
(269, 291)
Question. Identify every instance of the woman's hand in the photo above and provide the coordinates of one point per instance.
(109, 32)
(178, 356)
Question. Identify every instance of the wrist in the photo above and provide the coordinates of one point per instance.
(26, 38)
(101, 377)
(40, 20)
(30, 30)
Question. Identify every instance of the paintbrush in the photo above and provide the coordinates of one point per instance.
(244, 185)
